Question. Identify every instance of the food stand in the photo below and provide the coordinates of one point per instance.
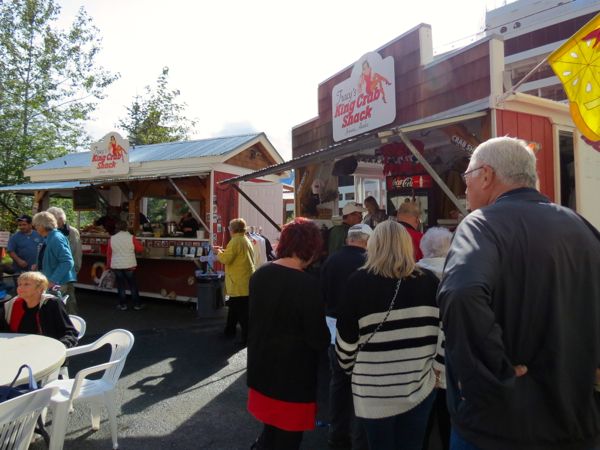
(183, 173)
(404, 124)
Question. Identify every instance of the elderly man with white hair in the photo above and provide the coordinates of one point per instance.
(72, 234)
(54, 258)
(520, 302)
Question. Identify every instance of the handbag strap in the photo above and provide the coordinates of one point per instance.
(382, 322)
(32, 384)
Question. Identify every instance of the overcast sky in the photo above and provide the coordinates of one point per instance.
(245, 66)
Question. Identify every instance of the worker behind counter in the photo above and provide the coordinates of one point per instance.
(188, 224)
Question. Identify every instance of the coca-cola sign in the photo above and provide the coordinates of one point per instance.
(415, 182)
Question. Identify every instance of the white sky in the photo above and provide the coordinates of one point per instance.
(245, 66)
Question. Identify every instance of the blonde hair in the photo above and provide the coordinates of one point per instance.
(38, 277)
(237, 226)
(390, 251)
(370, 201)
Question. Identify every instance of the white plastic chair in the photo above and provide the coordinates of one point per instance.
(80, 326)
(19, 416)
(82, 390)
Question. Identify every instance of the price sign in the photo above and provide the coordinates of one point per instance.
(210, 258)
(4, 235)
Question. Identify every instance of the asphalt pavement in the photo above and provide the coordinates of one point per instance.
(183, 385)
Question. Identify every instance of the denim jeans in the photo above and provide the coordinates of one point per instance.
(404, 431)
(458, 443)
(121, 276)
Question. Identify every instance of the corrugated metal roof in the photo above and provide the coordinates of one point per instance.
(49, 186)
(160, 152)
(143, 177)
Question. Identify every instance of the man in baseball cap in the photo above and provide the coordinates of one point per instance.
(23, 245)
(352, 214)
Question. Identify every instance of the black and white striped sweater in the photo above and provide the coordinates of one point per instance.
(393, 373)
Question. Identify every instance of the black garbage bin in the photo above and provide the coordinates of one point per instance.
(210, 296)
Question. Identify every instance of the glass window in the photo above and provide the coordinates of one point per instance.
(350, 196)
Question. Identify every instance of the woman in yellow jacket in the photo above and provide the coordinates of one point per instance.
(238, 258)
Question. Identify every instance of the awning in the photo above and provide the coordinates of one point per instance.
(49, 186)
(368, 141)
(146, 177)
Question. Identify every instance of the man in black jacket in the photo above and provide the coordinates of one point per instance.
(521, 312)
(335, 272)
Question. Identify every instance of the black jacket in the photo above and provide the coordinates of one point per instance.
(335, 272)
(521, 287)
(54, 320)
(287, 330)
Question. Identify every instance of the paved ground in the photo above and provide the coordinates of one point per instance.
(183, 385)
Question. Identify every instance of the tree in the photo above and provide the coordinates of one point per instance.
(156, 117)
(50, 82)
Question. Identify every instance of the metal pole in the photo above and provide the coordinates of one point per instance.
(264, 214)
(431, 172)
(518, 85)
(189, 205)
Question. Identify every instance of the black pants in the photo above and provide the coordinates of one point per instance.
(439, 413)
(273, 438)
(238, 312)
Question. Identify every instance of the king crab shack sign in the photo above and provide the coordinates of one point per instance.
(366, 100)
(110, 156)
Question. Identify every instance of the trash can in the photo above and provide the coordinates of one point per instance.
(210, 296)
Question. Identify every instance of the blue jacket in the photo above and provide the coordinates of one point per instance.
(57, 263)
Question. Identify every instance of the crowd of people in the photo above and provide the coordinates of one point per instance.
(492, 332)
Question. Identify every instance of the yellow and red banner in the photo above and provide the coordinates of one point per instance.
(577, 64)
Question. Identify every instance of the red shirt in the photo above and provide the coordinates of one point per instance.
(416, 238)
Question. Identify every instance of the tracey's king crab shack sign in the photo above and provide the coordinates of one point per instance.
(110, 156)
(366, 100)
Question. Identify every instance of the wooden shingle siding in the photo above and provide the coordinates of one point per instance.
(420, 91)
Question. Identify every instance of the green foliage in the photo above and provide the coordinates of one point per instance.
(156, 117)
(157, 210)
(49, 85)
(87, 217)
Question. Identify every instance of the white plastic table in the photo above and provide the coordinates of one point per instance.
(43, 354)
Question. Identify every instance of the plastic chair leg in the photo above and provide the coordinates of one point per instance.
(64, 373)
(95, 406)
(111, 407)
(60, 419)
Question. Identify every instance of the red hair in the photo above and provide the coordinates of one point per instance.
(300, 237)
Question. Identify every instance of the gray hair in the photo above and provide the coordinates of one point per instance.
(357, 238)
(59, 213)
(436, 243)
(45, 220)
(409, 209)
(511, 159)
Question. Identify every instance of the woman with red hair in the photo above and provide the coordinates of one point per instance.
(287, 332)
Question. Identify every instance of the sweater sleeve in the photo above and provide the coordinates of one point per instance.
(474, 350)
(139, 248)
(61, 326)
(313, 317)
(75, 244)
(347, 328)
(108, 254)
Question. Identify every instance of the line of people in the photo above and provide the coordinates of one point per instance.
(512, 330)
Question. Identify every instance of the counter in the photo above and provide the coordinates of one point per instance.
(158, 274)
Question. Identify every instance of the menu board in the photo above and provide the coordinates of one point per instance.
(85, 200)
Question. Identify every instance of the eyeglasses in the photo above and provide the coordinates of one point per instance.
(356, 213)
(464, 175)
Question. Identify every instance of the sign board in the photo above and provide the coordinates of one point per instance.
(4, 235)
(414, 182)
(210, 258)
(366, 100)
(110, 156)
(85, 200)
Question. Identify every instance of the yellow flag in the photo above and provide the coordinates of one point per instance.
(577, 64)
